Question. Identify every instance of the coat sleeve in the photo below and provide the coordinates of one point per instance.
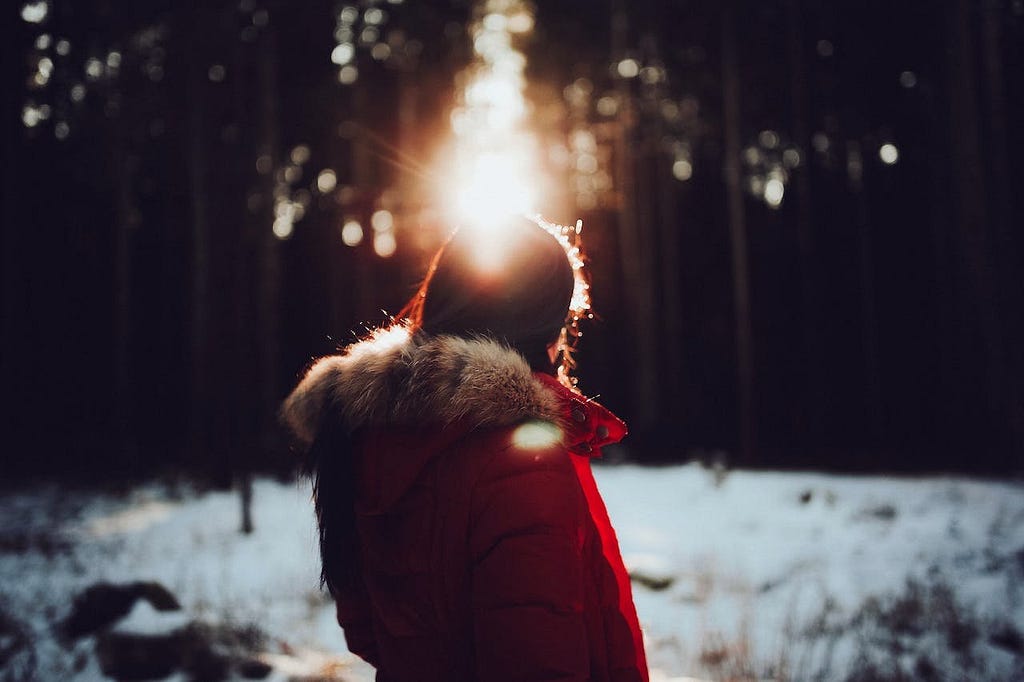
(526, 543)
(353, 612)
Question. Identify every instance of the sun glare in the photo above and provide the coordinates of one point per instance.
(493, 184)
(494, 172)
(493, 169)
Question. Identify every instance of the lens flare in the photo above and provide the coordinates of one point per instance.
(536, 436)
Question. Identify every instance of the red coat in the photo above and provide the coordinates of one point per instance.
(486, 549)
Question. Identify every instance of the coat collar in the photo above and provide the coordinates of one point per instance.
(588, 425)
(396, 378)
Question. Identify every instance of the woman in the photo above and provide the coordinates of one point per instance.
(462, 535)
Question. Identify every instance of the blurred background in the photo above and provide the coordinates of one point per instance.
(802, 218)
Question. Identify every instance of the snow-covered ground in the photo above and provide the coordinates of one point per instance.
(738, 575)
(813, 576)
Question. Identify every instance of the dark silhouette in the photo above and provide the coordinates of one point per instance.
(462, 534)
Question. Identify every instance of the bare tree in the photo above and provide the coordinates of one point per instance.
(738, 234)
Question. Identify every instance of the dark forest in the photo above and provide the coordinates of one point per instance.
(803, 221)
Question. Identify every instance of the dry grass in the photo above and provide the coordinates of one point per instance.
(922, 633)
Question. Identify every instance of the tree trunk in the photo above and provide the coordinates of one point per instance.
(634, 251)
(671, 296)
(13, 370)
(972, 216)
(245, 497)
(872, 389)
(270, 268)
(199, 337)
(738, 237)
(248, 408)
(810, 397)
(1005, 253)
(123, 389)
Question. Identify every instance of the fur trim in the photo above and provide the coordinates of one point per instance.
(393, 377)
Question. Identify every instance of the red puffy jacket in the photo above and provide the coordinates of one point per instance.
(487, 553)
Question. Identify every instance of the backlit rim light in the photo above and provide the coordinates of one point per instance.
(571, 239)
(489, 251)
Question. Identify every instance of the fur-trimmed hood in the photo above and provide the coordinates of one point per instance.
(397, 378)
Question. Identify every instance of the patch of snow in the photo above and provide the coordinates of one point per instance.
(759, 555)
(740, 564)
(130, 520)
(143, 619)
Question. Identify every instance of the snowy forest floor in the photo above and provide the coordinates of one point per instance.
(738, 575)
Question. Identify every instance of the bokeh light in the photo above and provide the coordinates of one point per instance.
(348, 74)
(628, 68)
(769, 164)
(889, 154)
(352, 233)
(382, 221)
(774, 190)
(283, 228)
(682, 169)
(326, 181)
(343, 53)
(384, 244)
(35, 12)
(30, 116)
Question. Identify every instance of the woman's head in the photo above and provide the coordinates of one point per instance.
(524, 285)
(514, 286)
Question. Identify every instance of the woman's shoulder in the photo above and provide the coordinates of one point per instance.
(524, 474)
(528, 455)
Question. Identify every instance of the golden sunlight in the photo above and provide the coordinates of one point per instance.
(493, 183)
(493, 168)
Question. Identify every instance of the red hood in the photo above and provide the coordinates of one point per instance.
(408, 397)
(395, 456)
